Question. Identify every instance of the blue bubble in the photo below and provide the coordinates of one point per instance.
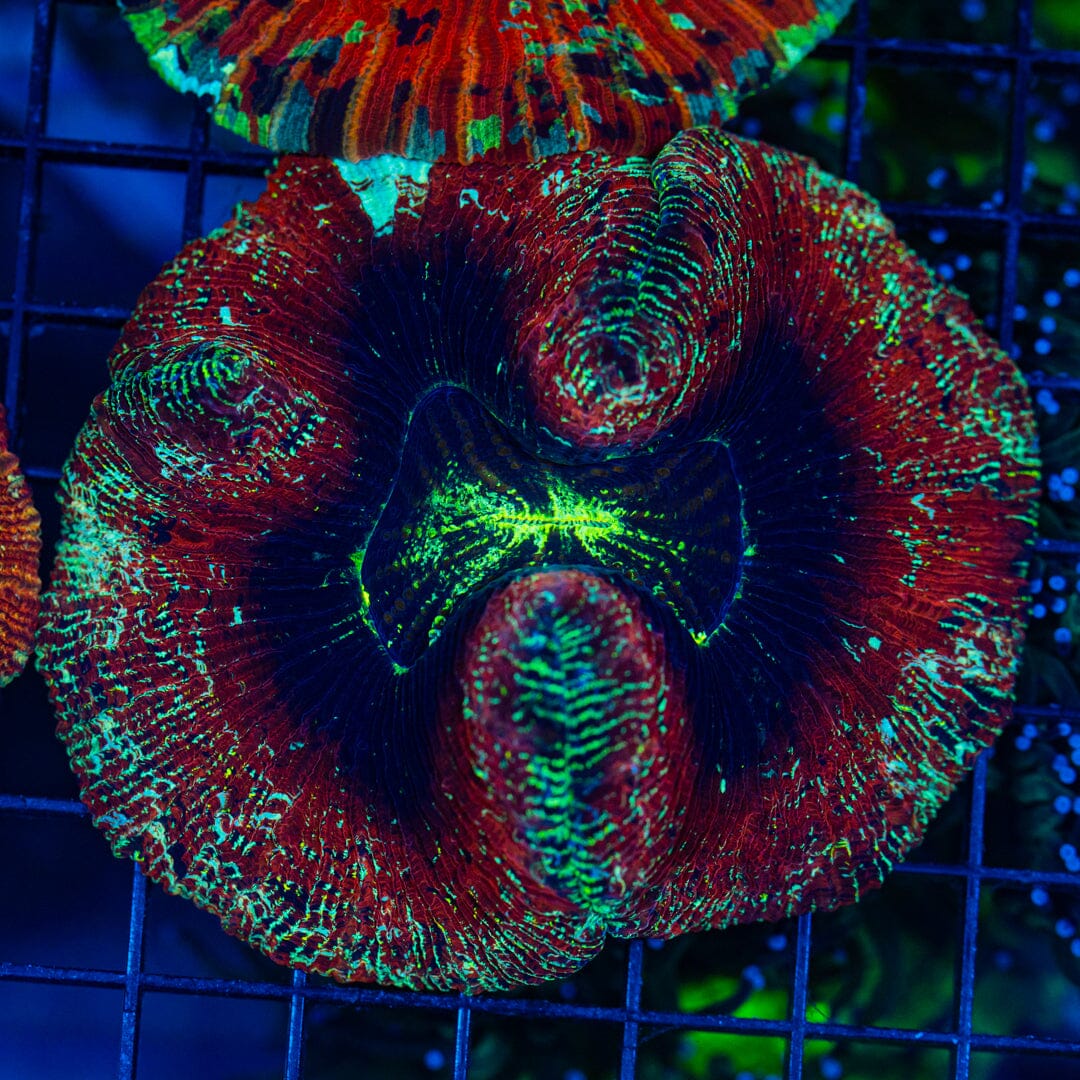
(1030, 731)
(1067, 775)
(1019, 313)
(1048, 324)
(1045, 130)
(1059, 605)
(1038, 611)
(1051, 298)
(1048, 402)
(1070, 475)
(937, 177)
(1039, 896)
(434, 1059)
(1057, 582)
(1063, 804)
(938, 235)
(1064, 729)
(831, 1069)
(1064, 928)
(1074, 946)
(973, 10)
(1036, 586)
(946, 272)
(1071, 277)
(777, 942)
(1042, 347)
(1023, 743)
(963, 262)
(754, 977)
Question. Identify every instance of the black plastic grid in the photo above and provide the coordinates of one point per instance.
(1007, 223)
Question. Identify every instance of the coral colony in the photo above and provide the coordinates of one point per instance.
(472, 561)
(506, 80)
(20, 552)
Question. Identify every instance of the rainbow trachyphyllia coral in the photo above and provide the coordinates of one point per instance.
(529, 554)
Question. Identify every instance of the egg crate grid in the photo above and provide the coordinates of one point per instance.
(41, 796)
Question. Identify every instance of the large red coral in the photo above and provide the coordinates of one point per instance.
(20, 551)
(466, 564)
(508, 80)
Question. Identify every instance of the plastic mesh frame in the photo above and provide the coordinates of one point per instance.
(1008, 223)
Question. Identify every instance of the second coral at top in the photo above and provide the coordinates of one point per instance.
(503, 80)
